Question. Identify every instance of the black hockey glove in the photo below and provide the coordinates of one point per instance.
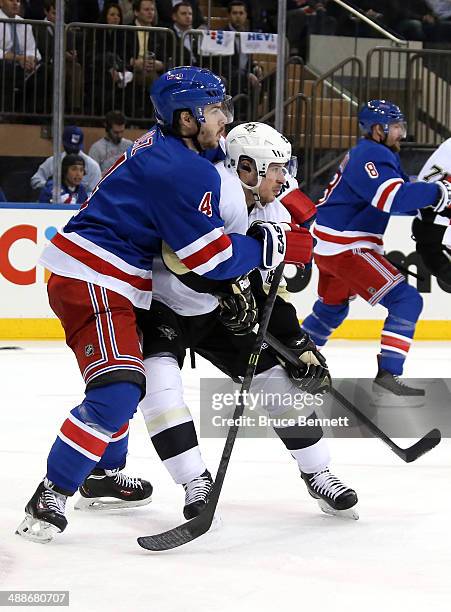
(312, 374)
(238, 309)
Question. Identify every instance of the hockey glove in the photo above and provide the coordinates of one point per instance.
(272, 235)
(238, 309)
(443, 204)
(312, 374)
(298, 204)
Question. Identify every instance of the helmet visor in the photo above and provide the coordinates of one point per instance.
(225, 107)
(292, 166)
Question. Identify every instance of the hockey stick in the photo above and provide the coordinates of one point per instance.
(409, 454)
(201, 524)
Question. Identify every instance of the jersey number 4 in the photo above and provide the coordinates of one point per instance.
(205, 204)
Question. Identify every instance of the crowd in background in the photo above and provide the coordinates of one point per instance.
(109, 69)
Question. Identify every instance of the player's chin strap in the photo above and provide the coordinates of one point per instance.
(255, 192)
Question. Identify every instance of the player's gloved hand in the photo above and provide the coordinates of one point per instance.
(272, 236)
(312, 374)
(298, 204)
(238, 309)
(444, 203)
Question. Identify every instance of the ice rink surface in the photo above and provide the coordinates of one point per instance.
(275, 550)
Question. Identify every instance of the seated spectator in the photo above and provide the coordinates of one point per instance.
(243, 74)
(182, 21)
(164, 8)
(106, 150)
(146, 57)
(382, 12)
(72, 143)
(417, 21)
(72, 173)
(2, 196)
(20, 77)
(45, 43)
(319, 19)
(109, 71)
(35, 9)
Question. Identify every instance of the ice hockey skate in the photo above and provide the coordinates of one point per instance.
(196, 494)
(390, 391)
(44, 515)
(333, 497)
(111, 490)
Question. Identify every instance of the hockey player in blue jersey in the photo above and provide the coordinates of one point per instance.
(353, 214)
(160, 189)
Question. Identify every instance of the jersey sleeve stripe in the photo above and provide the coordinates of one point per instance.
(386, 193)
(211, 263)
(199, 243)
(221, 246)
(100, 265)
(346, 239)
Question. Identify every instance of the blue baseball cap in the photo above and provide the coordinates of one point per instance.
(72, 139)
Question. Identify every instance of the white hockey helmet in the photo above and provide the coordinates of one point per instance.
(259, 142)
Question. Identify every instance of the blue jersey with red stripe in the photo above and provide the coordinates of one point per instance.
(157, 190)
(369, 186)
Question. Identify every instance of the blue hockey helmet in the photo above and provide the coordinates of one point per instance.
(380, 112)
(188, 87)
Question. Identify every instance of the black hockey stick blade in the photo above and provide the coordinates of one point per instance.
(422, 446)
(178, 535)
(189, 531)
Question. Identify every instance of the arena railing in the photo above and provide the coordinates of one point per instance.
(25, 87)
(335, 101)
(114, 77)
(361, 17)
(100, 74)
(419, 81)
(252, 87)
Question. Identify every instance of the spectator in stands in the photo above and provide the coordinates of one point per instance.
(2, 196)
(109, 71)
(146, 57)
(165, 7)
(45, 43)
(319, 20)
(417, 21)
(34, 9)
(182, 21)
(72, 143)
(72, 173)
(244, 75)
(19, 60)
(382, 12)
(106, 150)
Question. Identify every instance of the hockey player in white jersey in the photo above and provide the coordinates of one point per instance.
(432, 230)
(256, 156)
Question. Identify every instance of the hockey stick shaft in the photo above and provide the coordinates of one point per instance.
(246, 384)
(201, 524)
(409, 454)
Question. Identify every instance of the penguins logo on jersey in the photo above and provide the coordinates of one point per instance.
(167, 332)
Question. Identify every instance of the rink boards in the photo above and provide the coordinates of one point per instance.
(24, 311)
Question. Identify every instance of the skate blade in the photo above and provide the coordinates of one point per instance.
(96, 504)
(350, 513)
(390, 400)
(35, 530)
